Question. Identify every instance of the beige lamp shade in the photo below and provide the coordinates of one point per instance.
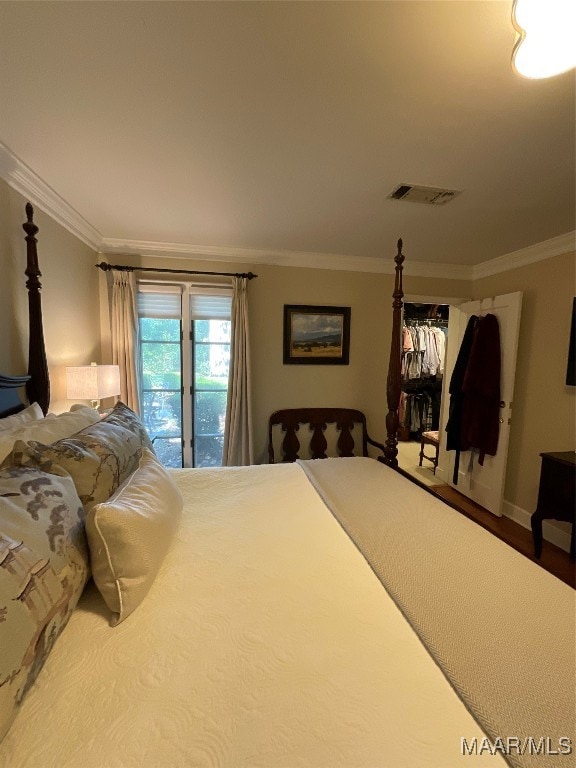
(92, 382)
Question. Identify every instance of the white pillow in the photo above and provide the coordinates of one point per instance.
(31, 413)
(49, 429)
(130, 534)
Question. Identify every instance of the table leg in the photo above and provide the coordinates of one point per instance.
(536, 523)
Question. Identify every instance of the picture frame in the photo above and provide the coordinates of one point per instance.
(316, 335)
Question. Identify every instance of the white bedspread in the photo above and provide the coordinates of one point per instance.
(266, 642)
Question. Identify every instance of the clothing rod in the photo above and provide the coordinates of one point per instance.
(427, 321)
(123, 268)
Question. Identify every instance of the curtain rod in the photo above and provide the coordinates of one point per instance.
(122, 268)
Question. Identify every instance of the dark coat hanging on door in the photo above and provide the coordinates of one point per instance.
(481, 389)
(475, 391)
(454, 434)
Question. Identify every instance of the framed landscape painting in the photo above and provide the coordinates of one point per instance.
(316, 335)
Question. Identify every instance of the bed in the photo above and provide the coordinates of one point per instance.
(326, 613)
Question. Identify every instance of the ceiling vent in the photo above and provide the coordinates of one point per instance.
(415, 194)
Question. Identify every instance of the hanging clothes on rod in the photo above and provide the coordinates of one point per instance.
(423, 359)
(423, 348)
(424, 335)
(415, 412)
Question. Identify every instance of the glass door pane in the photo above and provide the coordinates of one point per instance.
(211, 356)
(162, 387)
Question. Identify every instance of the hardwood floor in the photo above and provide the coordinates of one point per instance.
(553, 559)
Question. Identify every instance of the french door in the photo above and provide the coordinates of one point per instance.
(184, 369)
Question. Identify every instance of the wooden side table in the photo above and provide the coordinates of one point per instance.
(556, 495)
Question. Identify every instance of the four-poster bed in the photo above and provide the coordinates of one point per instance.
(38, 385)
(323, 613)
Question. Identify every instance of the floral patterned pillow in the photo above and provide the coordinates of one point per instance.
(43, 569)
(126, 417)
(98, 458)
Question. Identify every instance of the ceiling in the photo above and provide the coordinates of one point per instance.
(255, 129)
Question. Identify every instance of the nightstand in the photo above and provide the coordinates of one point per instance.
(556, 495)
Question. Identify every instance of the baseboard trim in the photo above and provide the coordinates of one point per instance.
(550, 532)
(442, 474)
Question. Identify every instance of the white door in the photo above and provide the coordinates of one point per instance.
(484, 484)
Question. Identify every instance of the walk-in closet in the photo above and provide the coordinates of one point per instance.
(424, 344)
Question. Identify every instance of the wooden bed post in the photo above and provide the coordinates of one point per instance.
(393, 382)
(38, 387)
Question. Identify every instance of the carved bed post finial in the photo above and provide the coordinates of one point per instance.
(38, 388)
(393, 383)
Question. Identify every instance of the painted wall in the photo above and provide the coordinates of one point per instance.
(70, 299)
(544, 412)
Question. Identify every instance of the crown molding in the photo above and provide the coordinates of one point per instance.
(547, 249)
(27, 183)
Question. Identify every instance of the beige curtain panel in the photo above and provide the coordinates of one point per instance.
(124, 321)
(238, 449)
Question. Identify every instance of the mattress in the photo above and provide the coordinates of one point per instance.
(267, 641)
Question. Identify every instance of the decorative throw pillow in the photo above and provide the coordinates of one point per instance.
(98, 458)
(43, 569)
(130, 534)
(48, 430)
(30, 413)
(126, 417)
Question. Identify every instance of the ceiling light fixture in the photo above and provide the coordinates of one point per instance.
(546, 44)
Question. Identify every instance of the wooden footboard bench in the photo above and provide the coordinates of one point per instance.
(350, 425)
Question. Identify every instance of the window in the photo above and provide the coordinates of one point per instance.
(210, 357)
(184, 385)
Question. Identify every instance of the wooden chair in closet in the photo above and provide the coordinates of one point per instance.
(433, 439)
